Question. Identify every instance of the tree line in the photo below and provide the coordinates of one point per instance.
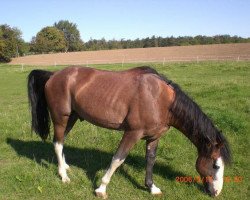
(154, 41)
(64, 36)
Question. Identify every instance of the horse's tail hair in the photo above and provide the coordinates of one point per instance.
(40, 122)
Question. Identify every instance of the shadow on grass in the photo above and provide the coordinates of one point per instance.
(91, 160)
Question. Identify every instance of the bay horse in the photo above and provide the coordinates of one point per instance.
(139, 101)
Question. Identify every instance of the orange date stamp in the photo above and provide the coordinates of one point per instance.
(207, 179)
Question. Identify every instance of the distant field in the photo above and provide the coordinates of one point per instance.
(163, 55)
(28, 166)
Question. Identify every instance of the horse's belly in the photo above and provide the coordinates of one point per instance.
(104, 122)
(107, 118)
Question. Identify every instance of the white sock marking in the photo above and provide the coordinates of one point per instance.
(61, 162)
(155, 190)
(106, 178)
(101, 189)
(66, 166)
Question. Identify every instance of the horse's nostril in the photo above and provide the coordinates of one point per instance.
(216, 166)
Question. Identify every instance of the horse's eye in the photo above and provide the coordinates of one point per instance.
(216, 166)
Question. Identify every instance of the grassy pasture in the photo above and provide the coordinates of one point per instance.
(28, 167)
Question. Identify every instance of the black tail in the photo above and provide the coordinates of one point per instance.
(40, 115)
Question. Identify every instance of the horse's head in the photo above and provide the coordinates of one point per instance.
(210, 166)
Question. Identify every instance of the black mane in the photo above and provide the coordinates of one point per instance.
(198, 127)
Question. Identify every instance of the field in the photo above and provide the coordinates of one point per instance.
(28, 166)
(196, 53)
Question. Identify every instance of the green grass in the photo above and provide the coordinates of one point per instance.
(28, 167)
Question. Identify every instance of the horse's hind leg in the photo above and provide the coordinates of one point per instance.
(128, 141)
(61, 161)
(61, 128)
(71, 122)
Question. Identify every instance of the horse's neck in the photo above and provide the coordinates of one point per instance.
(188, 118)
(178, 125)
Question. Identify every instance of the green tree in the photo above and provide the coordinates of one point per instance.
(49, 39)
(71, 34)
(11, 43)
(146, 42)
(154, 41)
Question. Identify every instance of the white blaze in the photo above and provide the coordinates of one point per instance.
(217, 182)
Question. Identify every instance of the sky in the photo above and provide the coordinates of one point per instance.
(130, 19)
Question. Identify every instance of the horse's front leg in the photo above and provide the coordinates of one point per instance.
(128, 141)
(151, 147)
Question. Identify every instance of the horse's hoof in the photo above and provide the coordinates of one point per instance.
(102, 195)
(156, 191)
(66, 180)
(157, 194)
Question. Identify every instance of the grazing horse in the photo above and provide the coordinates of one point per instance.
(139, 101)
